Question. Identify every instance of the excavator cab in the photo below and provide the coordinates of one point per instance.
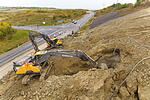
(27, 64)
(57, 42)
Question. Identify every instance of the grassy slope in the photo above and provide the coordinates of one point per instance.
(18, 38)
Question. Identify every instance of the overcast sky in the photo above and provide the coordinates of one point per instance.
(83, 4)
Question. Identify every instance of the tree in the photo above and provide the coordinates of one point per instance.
(138, 3)
(54, 17)
(6, 30)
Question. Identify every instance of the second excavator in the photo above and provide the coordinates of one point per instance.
(51, 43)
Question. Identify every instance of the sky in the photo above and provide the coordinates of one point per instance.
(64, 4)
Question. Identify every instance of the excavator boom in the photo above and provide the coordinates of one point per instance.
(65, 54)
(35, 46)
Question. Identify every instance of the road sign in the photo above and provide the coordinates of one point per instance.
(60, 21)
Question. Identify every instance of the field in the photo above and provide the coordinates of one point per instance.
(26, 17)
(4, 9)
(17, 39)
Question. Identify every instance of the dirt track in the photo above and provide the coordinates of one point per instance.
(74, 79)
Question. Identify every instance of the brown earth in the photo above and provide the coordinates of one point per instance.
(76, 80)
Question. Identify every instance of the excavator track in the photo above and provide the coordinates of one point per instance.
(46, 71)
(44, 74)
(26, 79)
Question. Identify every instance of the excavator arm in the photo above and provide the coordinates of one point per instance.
(32, 37)
(65, 54)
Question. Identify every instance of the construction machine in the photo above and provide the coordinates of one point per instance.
(34, 65)
(31, 66)
(52, 43)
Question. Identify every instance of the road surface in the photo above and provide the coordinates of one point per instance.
(54, 31)
(100, 20)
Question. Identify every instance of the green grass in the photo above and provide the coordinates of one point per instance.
(17, 39)
(86, 26)
(3, 9)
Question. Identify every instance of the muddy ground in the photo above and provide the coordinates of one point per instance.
(74, 79)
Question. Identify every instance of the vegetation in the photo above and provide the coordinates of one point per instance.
(119, 6)
(138, 3)
(6, 30)
(113, 8)
(10, 38)
(18, 38)
(86, 26)
(37, 16)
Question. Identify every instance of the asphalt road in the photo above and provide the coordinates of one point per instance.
(102, 19)
(54, 31)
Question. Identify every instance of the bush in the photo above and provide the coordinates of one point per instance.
(137, 4)
(121, 6)
(5, 30)
(29, 12)
(54, 17)
(1, 34)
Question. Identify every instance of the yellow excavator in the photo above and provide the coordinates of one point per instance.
(33, 65)
(30, 66)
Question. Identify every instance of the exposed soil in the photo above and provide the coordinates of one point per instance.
(74, 79)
